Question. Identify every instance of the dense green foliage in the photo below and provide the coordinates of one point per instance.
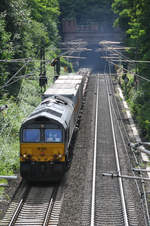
(82, 11)
(46, 13)
(133, 17)
(10, 121)
(25, 25)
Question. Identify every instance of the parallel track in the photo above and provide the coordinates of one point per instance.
(113, 200)
(133, 159)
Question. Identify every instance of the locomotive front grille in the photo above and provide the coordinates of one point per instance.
(42, 152)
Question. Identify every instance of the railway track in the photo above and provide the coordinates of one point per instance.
(107, 204)
(91, 198)
(113, 199)
(35, 205)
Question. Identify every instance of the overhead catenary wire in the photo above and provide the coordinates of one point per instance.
(17, 79)
(117, 59)
(27, 61)
(22, 76)
(135, 74)
(14, 75)
(77, 44)
(24, 60)
(132, 61)
(114, 50)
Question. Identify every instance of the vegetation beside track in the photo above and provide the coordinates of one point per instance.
(133, 18)
(137, 96)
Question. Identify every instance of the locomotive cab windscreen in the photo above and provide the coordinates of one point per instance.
(42, 135)
(31, 135)
(41, 130)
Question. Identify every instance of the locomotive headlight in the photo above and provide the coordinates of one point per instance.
(59, 156)
(24, 156)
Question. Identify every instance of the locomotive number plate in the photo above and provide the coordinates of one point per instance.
(42, 148)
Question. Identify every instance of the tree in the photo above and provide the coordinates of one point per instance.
(46, 12)
(6, 49)
(82, 10)
(133, 17)
(25, 24)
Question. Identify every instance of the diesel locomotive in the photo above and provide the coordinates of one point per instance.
(45, 135)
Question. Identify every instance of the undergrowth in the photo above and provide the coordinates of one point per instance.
(10, 121)
(138, 96)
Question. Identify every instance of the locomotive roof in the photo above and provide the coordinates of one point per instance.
(55, 108)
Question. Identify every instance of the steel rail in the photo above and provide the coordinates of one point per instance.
(117, 160)
(142, 179)
(46, 218)
(50, 207)
(94, 162)
(16, 213)
(19, 207)
(127, 136)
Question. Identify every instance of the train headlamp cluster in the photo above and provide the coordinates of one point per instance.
(57, 157)
(26, 156)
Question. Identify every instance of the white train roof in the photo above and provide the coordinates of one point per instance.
(55, 108)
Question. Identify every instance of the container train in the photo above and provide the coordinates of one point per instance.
(45, 136)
